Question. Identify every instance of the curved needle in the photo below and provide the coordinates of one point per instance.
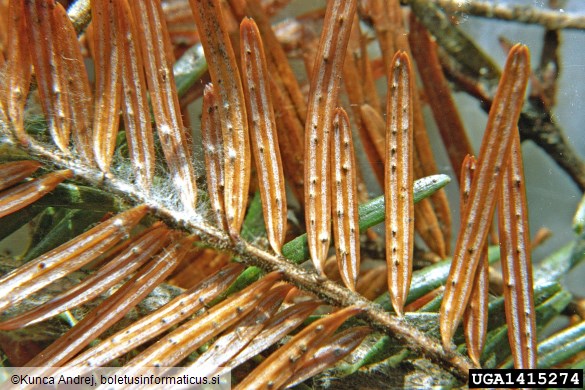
(493, 154)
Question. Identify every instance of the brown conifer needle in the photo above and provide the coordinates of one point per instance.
(291, 141)
(426, 223)
(114, 307)
(178, 344)
(20, 196)
(36, 274)
(358, 59)
(325, 83)
(279, 326)
(493, 154)
(373, 125)
(157, 322)
(373, 282)
(212, 141)
(289, 102)
(16, 171)
(438, 92)
(278, 64)
(108, 87)
(476, 314)
(236, 338)
(278, 368)
(232, 108)
(49, 71)
(359, 85)
(516, 261)
(155, 45)
(263, 133)
(399, 180)
(424, 152)
(18, 64)
(345, 200)
(78, 92)
(134, 100)
(334, 349)
(116, 270)
(389, 25)
(385, 24)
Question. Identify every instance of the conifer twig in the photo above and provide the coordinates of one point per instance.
(552, 20)
(328, 290)
(80, 14)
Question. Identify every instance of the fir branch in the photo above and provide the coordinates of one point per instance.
(327, 290)
(411, 331)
